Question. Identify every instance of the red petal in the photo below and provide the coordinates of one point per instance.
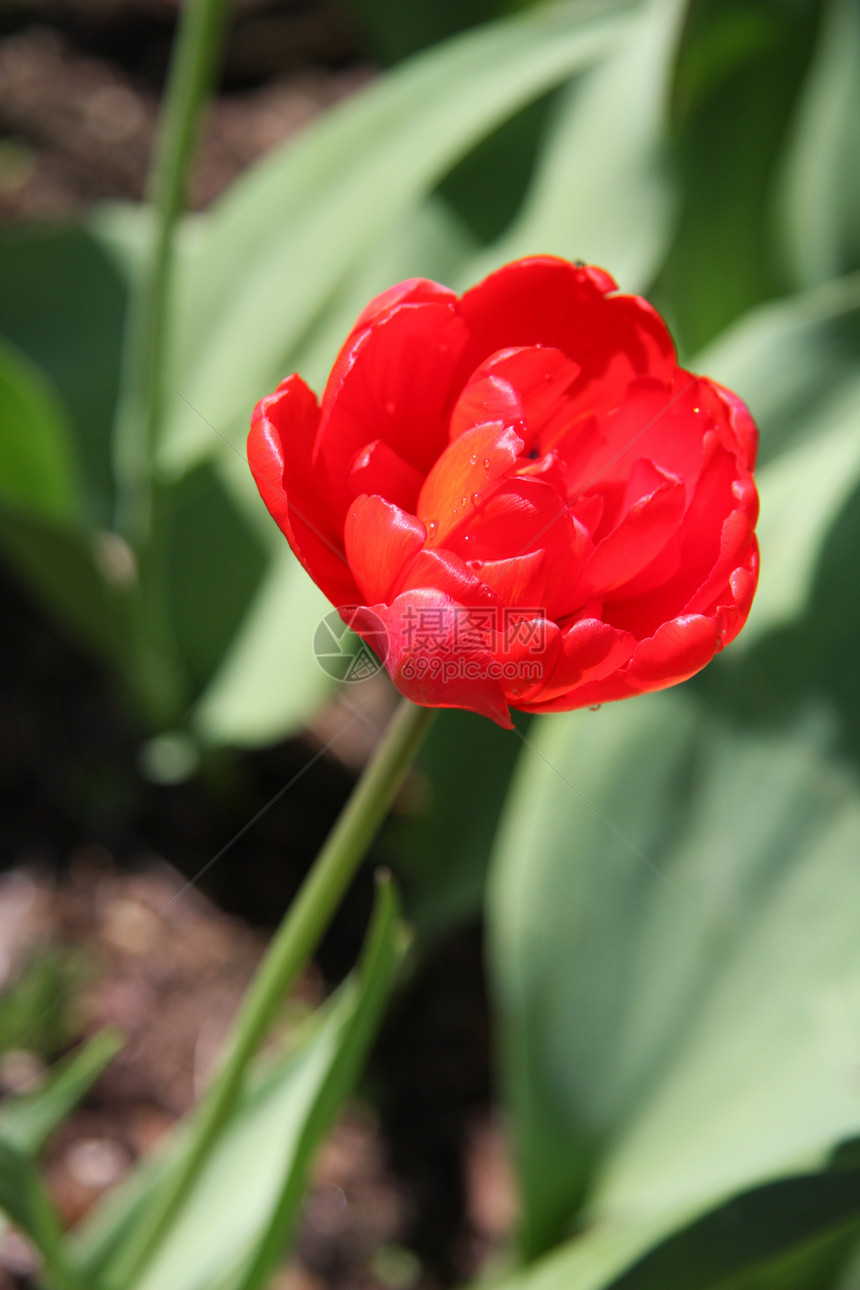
(646, 526)
(381, 540)
(280, 444)
(391, 382)
(734, 610)
(514, 386)
(677, 650)
(525, 515)
(664, 422)
(527, 654)
(695, 558)
(412, 291)
(736, 539)
(590, 651)
(744, 430)
(446, 572)
(547, 301)
(426, 660)
(517, 581)
(378, 469)
(486, 399)
(461, 478)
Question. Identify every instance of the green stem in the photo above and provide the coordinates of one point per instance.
(300, 931)
(192, 71)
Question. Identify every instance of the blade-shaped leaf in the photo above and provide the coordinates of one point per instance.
(62, 298)
(789, 1235)
(818, 206)
(281, 242)
(26, 1203)
(269, 680)
(263, 1154)
(677, 968)
(38, 473)
(602, 192)
(26, 1122)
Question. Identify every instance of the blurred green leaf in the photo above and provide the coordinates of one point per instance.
(82, 580)
(37, 1007)
(384, 946)
(602, 191)
(678, 982)
(263, 1155)
(62, 300)
(269, 680)
(282, 240)
(214, 566)
(26, 1203)
(741, 63)
(430, 242)
(794, 1234)
(27, 1121)
(37, 467)
(395, 31)
(818, 200)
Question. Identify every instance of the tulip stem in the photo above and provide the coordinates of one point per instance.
(295, 940)
(192, 71)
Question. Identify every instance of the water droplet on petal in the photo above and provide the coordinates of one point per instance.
(463, 501)
(697, 409)
(473, 460)
(453, 510)
(432, 527)
(476, 499)
(486, 463)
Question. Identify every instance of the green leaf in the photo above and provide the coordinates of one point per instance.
(37, 468)
(737, 78)
(676, 964)
(81, 580)
(283, 239)
(789, 1235)
(25, 1201)
(602, 191)
(261, 1160)
(818, 200)
(62, 301)
(380, 958)
(269, 680)
(28, 1121)
(214, 566)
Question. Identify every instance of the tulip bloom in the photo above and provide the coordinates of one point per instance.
(517, 496)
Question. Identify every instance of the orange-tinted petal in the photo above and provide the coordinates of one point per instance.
(463, 475)
(381, 540)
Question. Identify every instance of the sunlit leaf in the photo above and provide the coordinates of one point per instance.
(282, 240)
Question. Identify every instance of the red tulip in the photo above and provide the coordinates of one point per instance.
(519, 492)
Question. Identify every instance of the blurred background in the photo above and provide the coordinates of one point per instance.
(171, 752)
